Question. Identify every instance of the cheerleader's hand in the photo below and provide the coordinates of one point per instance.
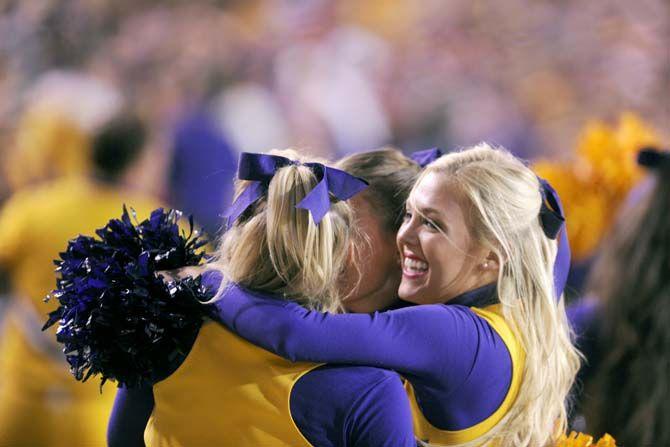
(182, 273)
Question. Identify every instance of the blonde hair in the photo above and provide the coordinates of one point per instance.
(275, 247)
(501, 200)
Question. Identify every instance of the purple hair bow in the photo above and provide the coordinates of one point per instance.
(427, 156)
(260, 168)
(552, 219)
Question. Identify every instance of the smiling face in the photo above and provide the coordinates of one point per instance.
(440, 259)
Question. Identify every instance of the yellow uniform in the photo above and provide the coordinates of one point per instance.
(227, 392)
(230, 392)
(471, 352)
(40, 402)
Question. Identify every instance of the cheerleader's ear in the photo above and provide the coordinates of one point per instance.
(491, 263)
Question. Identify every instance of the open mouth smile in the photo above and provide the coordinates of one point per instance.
(413, 267)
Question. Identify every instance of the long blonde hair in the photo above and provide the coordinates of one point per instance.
(502, 199)
(275, 247)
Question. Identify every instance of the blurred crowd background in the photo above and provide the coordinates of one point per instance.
(575, 87)
(338, 76)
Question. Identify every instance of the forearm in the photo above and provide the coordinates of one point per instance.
(407, 340)
(130, 414)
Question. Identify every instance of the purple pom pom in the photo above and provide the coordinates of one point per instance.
(116, 317)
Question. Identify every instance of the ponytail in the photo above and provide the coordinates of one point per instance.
(276, 247)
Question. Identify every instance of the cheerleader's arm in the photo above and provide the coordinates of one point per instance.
(130, 415)
(434, 342)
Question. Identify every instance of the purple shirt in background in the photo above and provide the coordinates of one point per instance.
(202, 171)
(583, 314)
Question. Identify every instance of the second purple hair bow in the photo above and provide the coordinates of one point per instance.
(260, 168)
(425, 157)
(552, 219)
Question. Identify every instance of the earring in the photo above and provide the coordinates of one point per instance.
(485, 265)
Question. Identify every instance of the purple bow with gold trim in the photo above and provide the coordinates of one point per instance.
(260, 168)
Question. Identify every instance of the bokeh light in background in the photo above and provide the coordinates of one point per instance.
(347, 76)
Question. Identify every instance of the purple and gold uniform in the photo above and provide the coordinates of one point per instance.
(462, 361)
(230, 392)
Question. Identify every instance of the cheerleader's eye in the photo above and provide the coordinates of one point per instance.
(430, 224)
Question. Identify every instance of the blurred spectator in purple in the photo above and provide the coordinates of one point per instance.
(250, 116)
(201, 170)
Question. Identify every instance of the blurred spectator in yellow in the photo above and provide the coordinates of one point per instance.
(629, 392)
(40, 403)
(61, 111)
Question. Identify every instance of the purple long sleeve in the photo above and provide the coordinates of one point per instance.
(130, 414)
(458, 365)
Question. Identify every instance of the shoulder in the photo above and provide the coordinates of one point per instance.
(351, 405)
(446, 322)
(349, 379)
(54, 190)
(499, 338)
(211, 279)
(211, 338)
(494, 319)
(437, 311)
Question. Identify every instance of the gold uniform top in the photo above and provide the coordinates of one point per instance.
(406, 340)
(428, 433)
(227, 392)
